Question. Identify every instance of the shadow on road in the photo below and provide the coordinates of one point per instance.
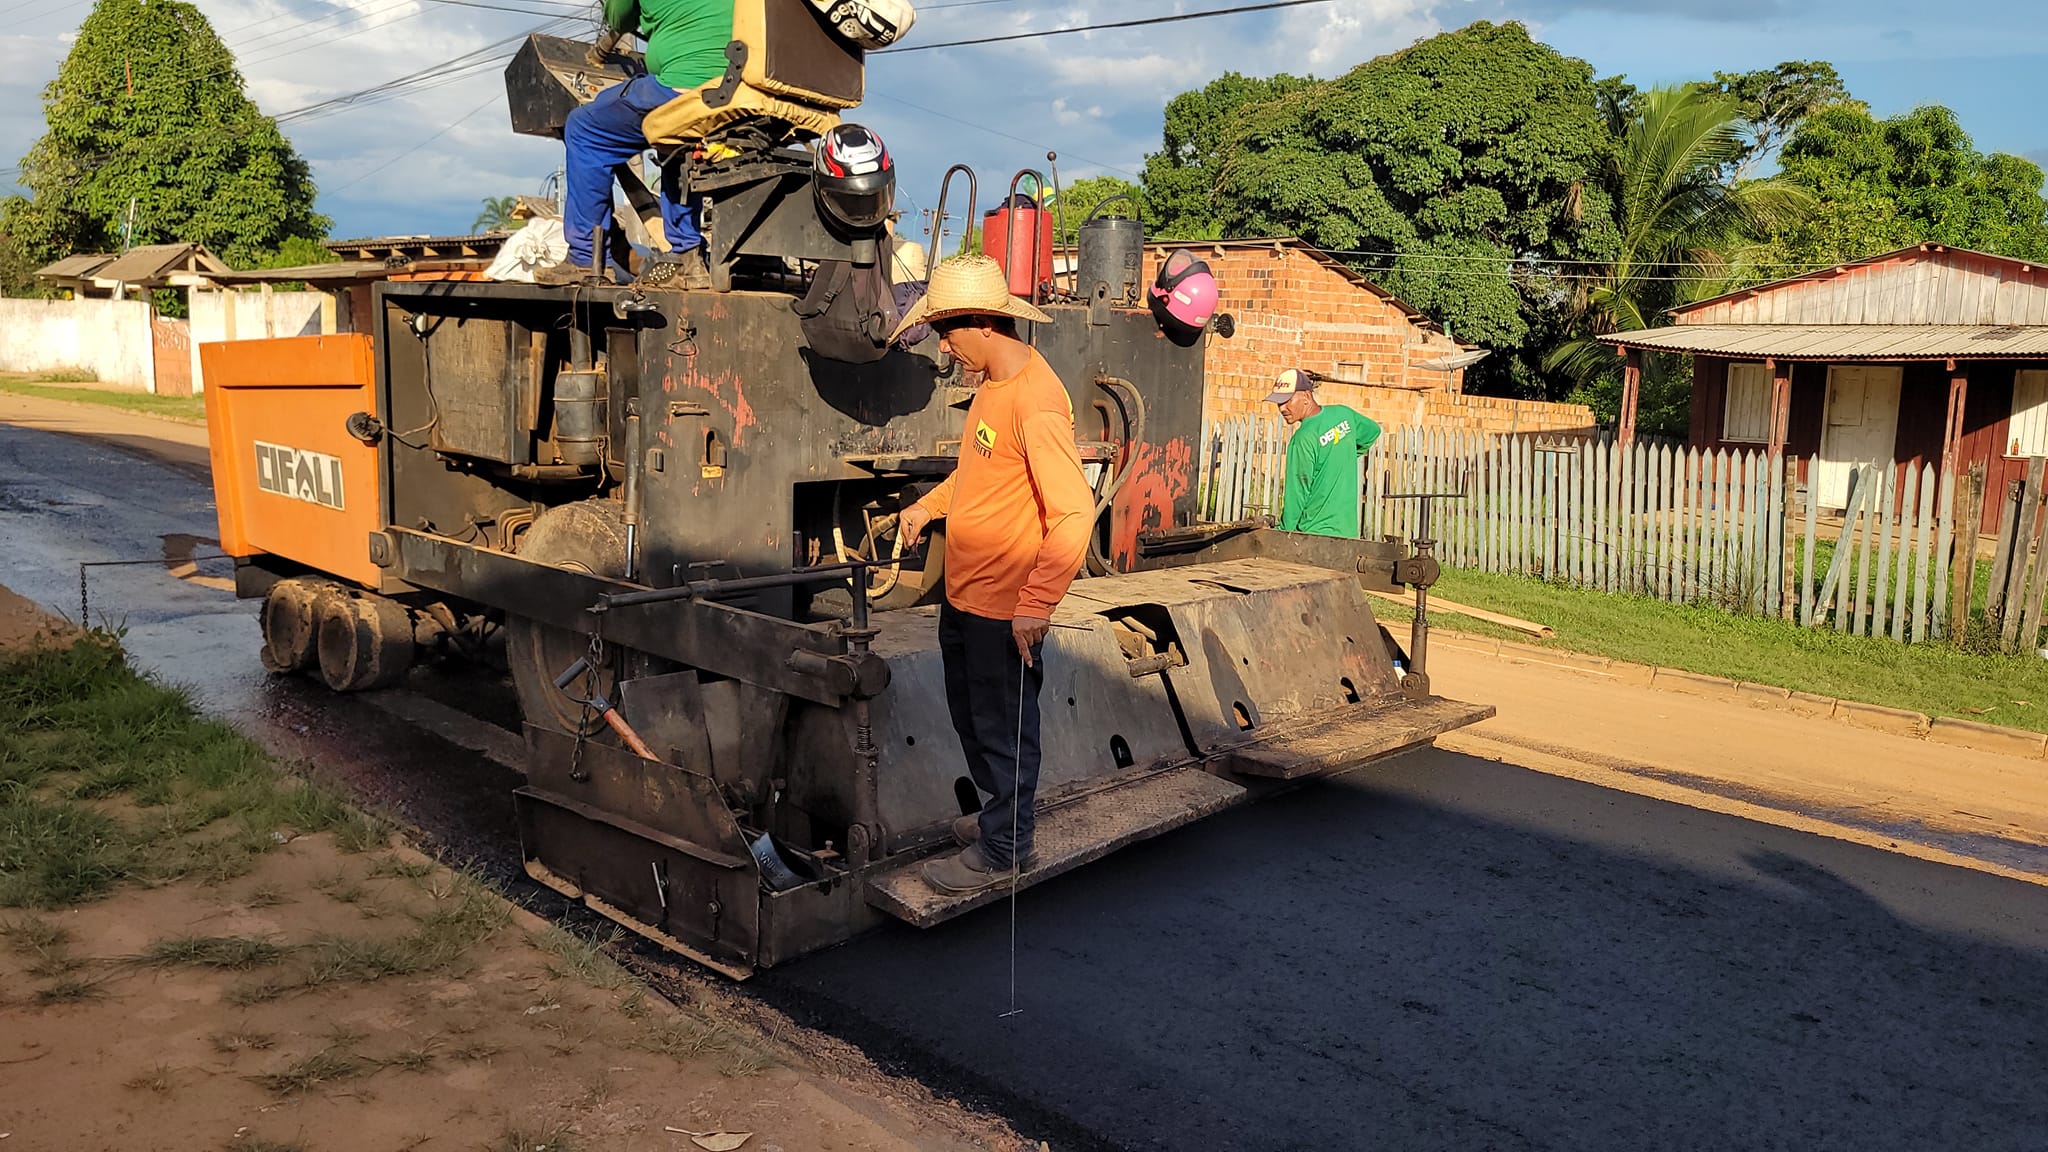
(1453, 953)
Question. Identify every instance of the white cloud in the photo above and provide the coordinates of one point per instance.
(1095, 97)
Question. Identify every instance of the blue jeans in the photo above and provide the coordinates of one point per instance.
(996, 717)
(601, 135)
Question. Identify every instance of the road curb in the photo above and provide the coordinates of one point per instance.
(1988, 737)
(1994, 738)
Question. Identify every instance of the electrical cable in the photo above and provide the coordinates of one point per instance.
(449, 127)
(1141, 23)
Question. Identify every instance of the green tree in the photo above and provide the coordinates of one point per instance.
(1455, 173)
(496, 215)
(1181, 178)
(1082, 197)
(1684, 235)
(148, 109)
(1775, 102)
(17, 271)
(1914, 178)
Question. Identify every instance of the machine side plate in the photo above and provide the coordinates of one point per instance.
(1338, 742)
(1069, 836)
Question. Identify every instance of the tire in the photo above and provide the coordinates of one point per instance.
(291, 623)
(588, 537)
(365, 642)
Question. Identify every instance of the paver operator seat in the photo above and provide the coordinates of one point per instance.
(787, 78)
(784, 66)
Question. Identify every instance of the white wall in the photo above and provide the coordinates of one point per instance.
(108, 338)
(255, 315)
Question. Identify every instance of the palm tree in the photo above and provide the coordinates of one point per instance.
(1685, 231)
(497, 215)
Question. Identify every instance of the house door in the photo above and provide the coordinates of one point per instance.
(1862, 425)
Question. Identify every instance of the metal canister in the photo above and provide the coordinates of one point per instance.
(578, 425)
(1111, 254)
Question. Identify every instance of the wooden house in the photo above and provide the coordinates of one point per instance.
(1930, 354)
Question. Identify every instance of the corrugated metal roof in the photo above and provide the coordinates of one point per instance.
(150, 263)
(346, 272)
(1846, 341)
(76, 267)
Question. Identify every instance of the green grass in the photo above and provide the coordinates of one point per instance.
(233, 953)
(1934, 678)
(188, 409)
(108, 777)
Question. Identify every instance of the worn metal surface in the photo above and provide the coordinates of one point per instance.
(1069, 836)
(1846, 341)
(589, 814)
(1339, 741)
(756, 460)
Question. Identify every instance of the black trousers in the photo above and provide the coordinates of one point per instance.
(994, 700)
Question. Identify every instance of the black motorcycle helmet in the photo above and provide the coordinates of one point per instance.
(855, 179)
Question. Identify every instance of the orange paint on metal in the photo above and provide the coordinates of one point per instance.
(742, 413)
(288, 479)
(1146, 500)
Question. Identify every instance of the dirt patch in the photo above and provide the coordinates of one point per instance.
(200, 951)
(23, 624)
(277, 1012)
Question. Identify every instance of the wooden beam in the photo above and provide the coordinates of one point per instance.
(1631, 393)
(1952, 430)
(1781, 407)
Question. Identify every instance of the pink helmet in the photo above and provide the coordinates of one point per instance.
(1184, 297)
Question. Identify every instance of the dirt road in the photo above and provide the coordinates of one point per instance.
(1937, 801)
(1710, 947)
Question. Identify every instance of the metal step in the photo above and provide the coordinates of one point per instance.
(1069, 836)
(1333, 742)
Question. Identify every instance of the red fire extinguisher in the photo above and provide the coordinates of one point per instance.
(1018, 236)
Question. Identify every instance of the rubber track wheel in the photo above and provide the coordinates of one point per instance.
(365, 642)
(587, 537)
(291, 623)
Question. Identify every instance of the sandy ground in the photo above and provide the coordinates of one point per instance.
(180, 445)
(22, 623)
(518, 1043)
(1933, 800)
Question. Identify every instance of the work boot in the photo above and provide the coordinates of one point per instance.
(966, 872)
(562, 274)
(967, 829)
(685, 270)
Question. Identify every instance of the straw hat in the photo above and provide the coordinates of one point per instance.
(968, 286)
(906, 261)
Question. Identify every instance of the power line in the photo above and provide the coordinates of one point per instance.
(422, 144)
(1000, 132)
(1147, 21)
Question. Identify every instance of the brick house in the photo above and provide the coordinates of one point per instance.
(1295, 306)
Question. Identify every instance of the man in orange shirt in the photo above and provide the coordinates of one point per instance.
(1017, 513)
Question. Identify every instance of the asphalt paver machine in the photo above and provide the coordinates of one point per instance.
(682, 522)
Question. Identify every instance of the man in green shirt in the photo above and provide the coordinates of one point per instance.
(1321, 495)
(686, 42)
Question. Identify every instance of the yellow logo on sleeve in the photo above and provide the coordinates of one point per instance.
(984, 437)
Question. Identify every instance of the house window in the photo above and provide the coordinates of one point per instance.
(2029, 435)
(1747, 417)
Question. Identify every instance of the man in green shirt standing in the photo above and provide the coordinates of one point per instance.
(686, 42)
(1321, 496)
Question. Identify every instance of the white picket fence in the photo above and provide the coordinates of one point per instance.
(1688, 526)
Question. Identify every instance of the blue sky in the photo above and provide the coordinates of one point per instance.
(1096, 97)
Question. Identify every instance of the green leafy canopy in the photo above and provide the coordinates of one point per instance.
(149, 108)
(1471, 155)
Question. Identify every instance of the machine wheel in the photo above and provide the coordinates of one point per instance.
(291, 623)
(587, 537)
(365, 642)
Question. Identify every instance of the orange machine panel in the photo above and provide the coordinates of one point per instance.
(288, 479)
